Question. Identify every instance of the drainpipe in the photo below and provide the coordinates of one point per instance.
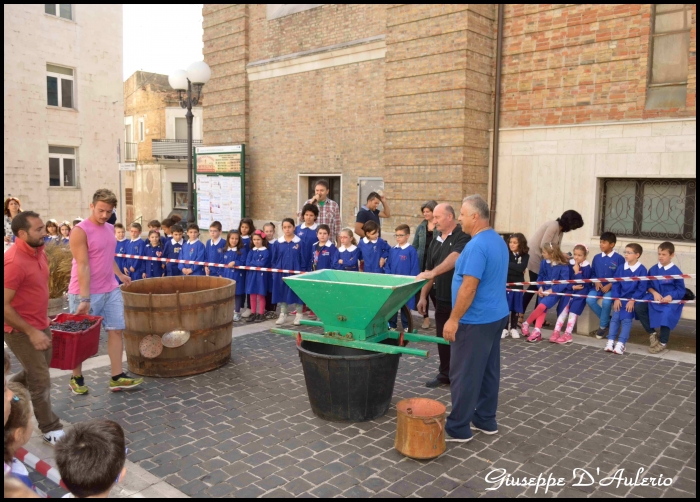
(496, 114)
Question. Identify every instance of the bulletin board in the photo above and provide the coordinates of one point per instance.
(219, 185)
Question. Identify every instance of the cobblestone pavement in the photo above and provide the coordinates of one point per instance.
(247, 429)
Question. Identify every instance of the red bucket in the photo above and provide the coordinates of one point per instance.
(72, 348)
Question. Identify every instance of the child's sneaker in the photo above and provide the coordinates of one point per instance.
(514, 333)
(271, 314)
(298, 318)
(236, 316)
(619, 348)
(555, 337)
(310, 315)
(53, 437)
(610, 346)
(124, 382)
(525, 328)
(565, 338)
(282, 319)
(601, 333)
(505, 333)
(535, 336)
(653, 339)
(659, 347)
(246, 313)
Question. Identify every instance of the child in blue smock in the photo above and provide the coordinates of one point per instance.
(555, 266)
(306, 231)
(235, 256)
(579, 269)
(269, 230)
(153, 250)
(403, 260)
(257, 282)
(172, 249)
(135, 266)
(662, 316)
(374, 249)
(518, 258)
(192, 250)
(64, 230)
(349, 255)
(604, 265)
(324, 252)
(214, 250)
(289, 255)
(120, 234)
(623, 310)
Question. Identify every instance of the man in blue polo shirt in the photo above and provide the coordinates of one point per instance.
(479, 314)
(371, 212)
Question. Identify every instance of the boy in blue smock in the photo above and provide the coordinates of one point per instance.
(325, 254)
(287, 254)
(214, 250)
(663, 316)
(120, 234)
(172, 249)
(306, 231)
(623, 310)
(604, 265)
(374, 249)
(135, 267)
(192, 250)
(403, 260)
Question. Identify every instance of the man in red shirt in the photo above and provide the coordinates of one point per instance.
(26, 325)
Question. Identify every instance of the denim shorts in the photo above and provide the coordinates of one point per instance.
(110, 306)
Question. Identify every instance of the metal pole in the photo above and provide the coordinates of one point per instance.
(190, 181)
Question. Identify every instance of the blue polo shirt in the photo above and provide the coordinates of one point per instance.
(486, 258)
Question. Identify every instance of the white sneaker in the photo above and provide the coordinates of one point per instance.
(246, 313)
(53, 437)
(514, 333)
(281, 320)
(298, 318)
(619, 348)
(505, 333)
(236, 316)
(609, 347)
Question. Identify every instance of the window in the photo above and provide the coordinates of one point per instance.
(180, 128)
(179, 195)
(62, 166)
(142, 131)
(59, 86)
(649, 208)
(64, 10)
(670, 46)
(129, 196)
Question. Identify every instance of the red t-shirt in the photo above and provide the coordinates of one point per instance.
(27, 274)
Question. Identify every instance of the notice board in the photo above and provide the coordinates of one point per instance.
(220, 185)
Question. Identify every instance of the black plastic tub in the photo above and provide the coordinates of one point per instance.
(347, 384)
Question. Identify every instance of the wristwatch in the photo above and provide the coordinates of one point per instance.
(85, 300)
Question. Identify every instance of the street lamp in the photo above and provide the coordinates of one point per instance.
(196, 76)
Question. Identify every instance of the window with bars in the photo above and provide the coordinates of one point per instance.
(668, 58)
(59, 86)
(662, 209)
(62, 166)
(64, 10)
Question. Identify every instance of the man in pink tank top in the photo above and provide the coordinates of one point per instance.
(94, 289)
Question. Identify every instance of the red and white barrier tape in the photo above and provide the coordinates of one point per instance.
(43, 468)
(607, 279)
(606, 298)
(206, 264)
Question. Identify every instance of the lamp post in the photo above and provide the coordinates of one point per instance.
(196, 75)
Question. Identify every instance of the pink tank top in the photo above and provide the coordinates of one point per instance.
(101, 246)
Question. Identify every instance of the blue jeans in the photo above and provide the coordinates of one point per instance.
(475, 374)
(110, 306)
(404, 320)
(615, 323)
(602, 312)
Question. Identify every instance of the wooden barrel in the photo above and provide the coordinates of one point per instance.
(420, 428)
(206, 310)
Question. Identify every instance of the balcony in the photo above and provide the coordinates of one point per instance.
(171, 148)
(130, 152)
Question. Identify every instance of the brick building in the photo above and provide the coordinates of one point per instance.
(597, 110)
(63, 105)
(155, 139)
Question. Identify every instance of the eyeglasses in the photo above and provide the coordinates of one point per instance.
(399, 235)
(628, 252)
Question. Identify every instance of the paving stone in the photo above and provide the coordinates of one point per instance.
(325, 491)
